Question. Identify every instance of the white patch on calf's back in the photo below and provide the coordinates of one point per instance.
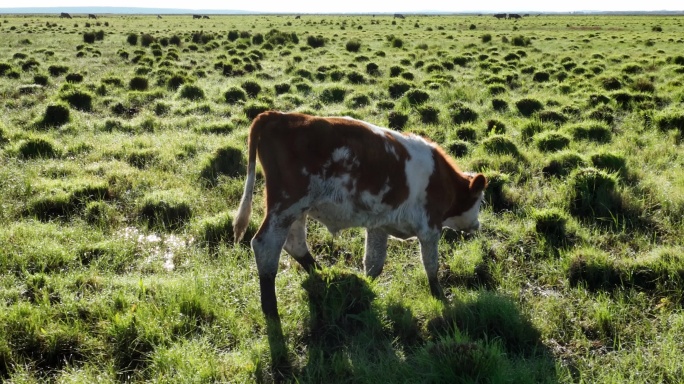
(345, 157)
(340, 154)
(380, 131)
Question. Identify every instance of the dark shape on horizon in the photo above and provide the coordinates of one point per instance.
(205, 17)
(64, 15)
(297, 17)
(514, 16)
(159, 17)
(526, 15)
(196, 16)
(92, 16)
(500, 15)
(399, 16)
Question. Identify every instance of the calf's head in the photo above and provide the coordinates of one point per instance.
(463, 216)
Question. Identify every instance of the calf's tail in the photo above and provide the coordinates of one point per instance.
(241, 220)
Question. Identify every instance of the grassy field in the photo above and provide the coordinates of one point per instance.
(122, 160)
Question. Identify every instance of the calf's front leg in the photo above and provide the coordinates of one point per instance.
(429, 253)
(376, 252)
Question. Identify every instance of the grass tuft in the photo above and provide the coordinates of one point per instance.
(460, 113)
(552, 225)
(670, 119)
(593, 194)
(500, 144)
(226, 161)
(416, 97)
(55, 115)
(398, 88)
(254, 108)
(165, 209)
(610, 162)
(333, 95)
(428, 114)
(528, 106)
(551, 141)
(138, 83)
(191, 92)
(37, 147)
(251, 87)
(660, 271)
(591, 130)
(78, 99)
(562, 164)
(397, 120)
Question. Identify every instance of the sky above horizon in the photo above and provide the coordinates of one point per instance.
(365, 6)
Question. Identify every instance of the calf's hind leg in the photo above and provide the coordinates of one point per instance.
(267, 244)
(296, 246)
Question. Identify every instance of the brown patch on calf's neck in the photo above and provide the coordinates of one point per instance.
(449, 190)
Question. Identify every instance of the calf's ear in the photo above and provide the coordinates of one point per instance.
(478, 184)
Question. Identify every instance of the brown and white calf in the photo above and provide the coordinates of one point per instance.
(349, 173)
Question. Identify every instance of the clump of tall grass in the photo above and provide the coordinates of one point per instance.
(315, 41)
(551, 141)
(669, 119)
(428, 114)
(563, 163)
(353, 45)
(334, 94)
(461, 113)
(55, 115)
(499, 105)
(496, 127)
(397, 120)
(79, 99)
(165, 209)
(234, 95)
(592, 193)
(528, 106)
(191, 92)
(457, 148)
(541, 77)
(138, 83)
(358, 100)
(500, 144)
(132, 39)
(226, 160)
(591, 130)
(254, 108)
(552, 116)
(251, 87)
(416, 97)
(398, 88)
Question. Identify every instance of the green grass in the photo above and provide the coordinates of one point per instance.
(122, 163)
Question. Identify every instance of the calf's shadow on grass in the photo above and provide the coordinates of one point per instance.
(352, 339)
